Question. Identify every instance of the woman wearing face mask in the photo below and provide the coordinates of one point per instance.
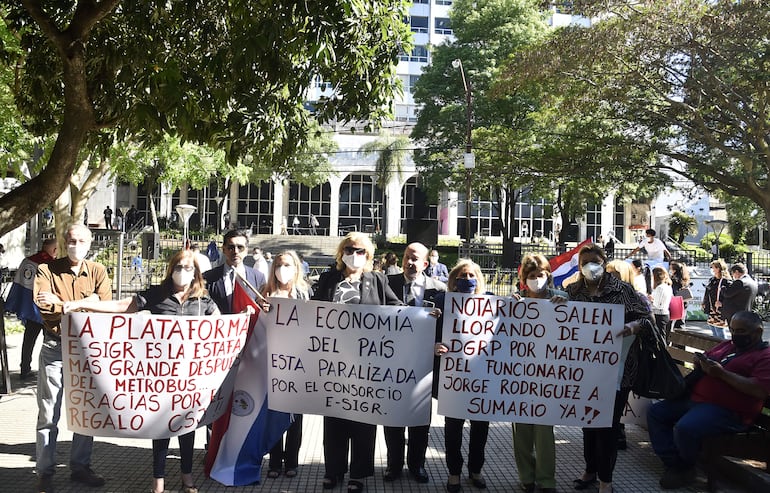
(182, 292)
(712, 298)
(351, 280)
(285, 280)
(598, 286)
(465, 277)
(538, 469)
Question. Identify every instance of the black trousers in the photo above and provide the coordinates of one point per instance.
(453, 442)
(160, 451)
(600, 445)
(343, 436)
(286, 452)
(31, 331)
(418, 445)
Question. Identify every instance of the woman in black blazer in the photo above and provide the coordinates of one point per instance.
(351, 280)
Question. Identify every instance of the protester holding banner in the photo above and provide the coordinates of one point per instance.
(598, 286)
(465, 277)
(182, 292)
(351, 280)
(21, 303)
(66, 279)
(538, 470)
(414, 288)
(286, 280)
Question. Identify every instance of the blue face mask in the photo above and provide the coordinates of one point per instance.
(466, 285)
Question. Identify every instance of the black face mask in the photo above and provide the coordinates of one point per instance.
(742, 341)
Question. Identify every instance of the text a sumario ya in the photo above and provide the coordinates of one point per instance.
(150, 362)
(526, 342)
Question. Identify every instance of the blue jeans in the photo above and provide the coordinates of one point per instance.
(678, 426)
(49, 400)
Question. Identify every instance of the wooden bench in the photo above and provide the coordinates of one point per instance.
(753, 444)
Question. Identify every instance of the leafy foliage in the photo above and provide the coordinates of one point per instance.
(230, 75)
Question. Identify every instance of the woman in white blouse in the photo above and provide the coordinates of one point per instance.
(662, 292)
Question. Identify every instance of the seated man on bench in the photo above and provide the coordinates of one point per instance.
(727, 397)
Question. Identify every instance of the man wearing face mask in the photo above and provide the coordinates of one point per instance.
(656, 249)
(414, 288)
(733, 381)
(69, 278)
(436, 270)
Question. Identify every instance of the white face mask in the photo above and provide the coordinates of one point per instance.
(78, 251)
(354, 261)
(183, 277)
(592, 271)
(536, 285)
(285, 274)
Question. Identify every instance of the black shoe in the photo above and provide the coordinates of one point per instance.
(583, 484)
(478, 482)
(528, 488)
(28, 375)
(392, 473)
(45, 484)
(87, 477)
(355, 486)
(675, 478)
(453, 487)
(420, 475)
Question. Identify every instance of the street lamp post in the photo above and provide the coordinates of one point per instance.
(185, 211)
(469, 159)
(123, 210)
(718, 226)
(219, 200)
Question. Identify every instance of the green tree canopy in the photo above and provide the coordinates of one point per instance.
(233, 76)
(686, 80)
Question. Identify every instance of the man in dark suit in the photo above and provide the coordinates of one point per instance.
(414, 288)
(740, 294)
(219, 281)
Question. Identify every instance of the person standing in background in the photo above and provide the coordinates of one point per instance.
(21, 302)
(108, 217)
(436, 270)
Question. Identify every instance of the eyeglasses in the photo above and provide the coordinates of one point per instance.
(349, 250)
(186, 268)
(232, 248)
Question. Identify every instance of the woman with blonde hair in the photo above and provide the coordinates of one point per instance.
(351, 281)
(465, 277)
(285, 280)
(621, 270)
(182, 292)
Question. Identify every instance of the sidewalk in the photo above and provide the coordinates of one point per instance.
(126, 463)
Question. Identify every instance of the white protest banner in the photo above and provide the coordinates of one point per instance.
(529, 360)
(367, 363)
(145, 376)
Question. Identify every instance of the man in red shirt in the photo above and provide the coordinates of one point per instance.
(32, 328)
(727, 398)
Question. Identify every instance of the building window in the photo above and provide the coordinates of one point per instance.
(419, 54)
(361, 204)
(304, 201)
(443, 25)
(419, 24)
(594, 221)
(421, 1)
(443, 2)
(255, 207)
(411, 83)
(414, 204)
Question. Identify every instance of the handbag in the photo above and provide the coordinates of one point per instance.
(676, 308)
(685, 293)
(657, 375)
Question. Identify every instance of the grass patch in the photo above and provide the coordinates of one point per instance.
(13, 325)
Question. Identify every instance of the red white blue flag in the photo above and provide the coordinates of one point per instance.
(20, 298)
(241, 438)
(566, 264)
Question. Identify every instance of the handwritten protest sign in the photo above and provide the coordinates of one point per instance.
(145, 376)
(368, 363)
(529, 360)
